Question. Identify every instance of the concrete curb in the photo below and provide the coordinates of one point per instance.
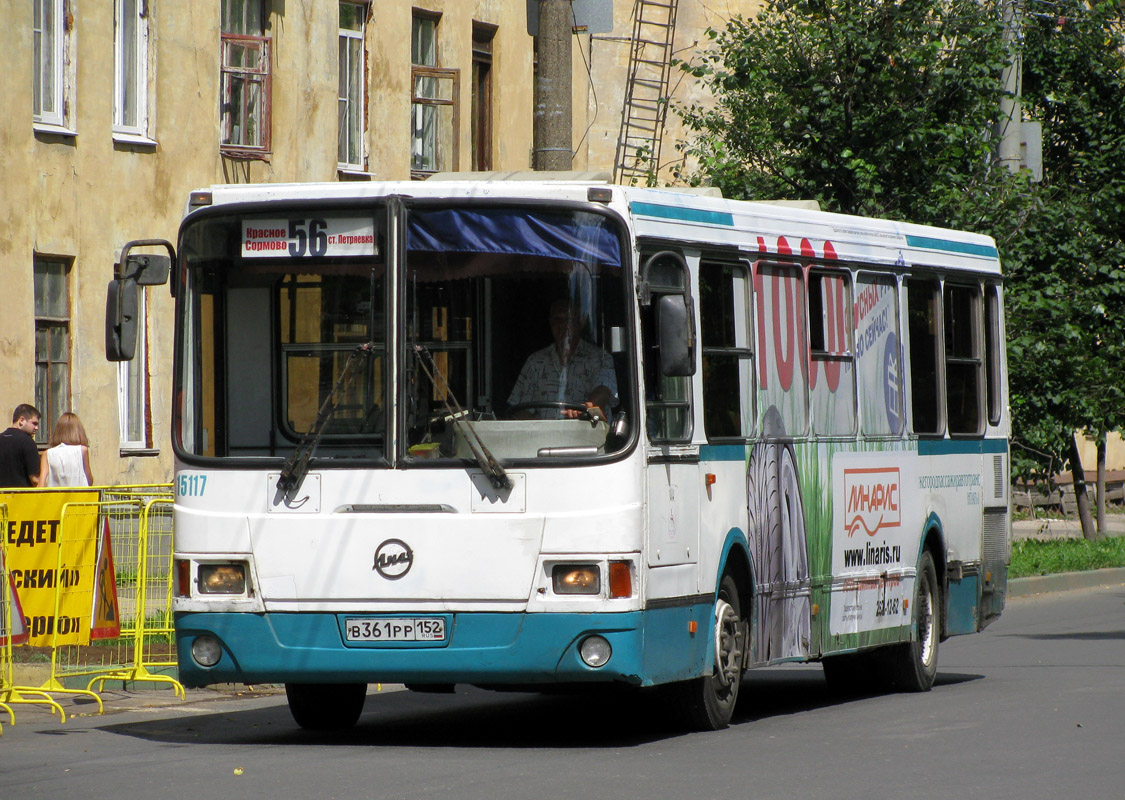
(1065, 582)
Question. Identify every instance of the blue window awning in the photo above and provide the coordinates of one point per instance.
(570, 236)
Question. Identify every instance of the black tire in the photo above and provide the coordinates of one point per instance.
(707, 703)
(326, 706)
(913, 665)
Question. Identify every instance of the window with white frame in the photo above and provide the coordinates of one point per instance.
(50, 46)
(246, 83)
(130, 69)
(352, 93)
(132, 388)
(433, 103)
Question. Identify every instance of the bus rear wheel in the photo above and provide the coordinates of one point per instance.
(913, 665)
(326, 706)
(708, 703)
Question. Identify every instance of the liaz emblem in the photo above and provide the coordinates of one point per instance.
(393, 559)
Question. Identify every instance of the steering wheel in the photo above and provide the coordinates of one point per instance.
(557, 405)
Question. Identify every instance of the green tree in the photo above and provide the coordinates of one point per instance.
(1066, 304)
(870, 107)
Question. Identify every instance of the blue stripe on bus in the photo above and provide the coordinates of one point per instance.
(965, 248)
(722, 452)
(682, 214)
(926, 447)
(652, 646)
(961, 447)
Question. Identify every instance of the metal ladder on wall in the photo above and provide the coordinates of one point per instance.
(646, 92)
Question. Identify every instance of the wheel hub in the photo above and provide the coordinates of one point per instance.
(926, 632)
(729, 644)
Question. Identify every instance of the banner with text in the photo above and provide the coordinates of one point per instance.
(35, 570)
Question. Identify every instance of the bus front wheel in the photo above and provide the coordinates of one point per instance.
(326, 706)
(707, 703)
(914, 664)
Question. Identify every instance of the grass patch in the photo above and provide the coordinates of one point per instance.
(1031, 557)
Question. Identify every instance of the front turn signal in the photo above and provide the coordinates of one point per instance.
(620, 579)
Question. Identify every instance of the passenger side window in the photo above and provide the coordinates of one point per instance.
(832, 382)
(993, 332)
(783, 350)
(923, 308)
(878, 354)
(964, 362)
(728, 366)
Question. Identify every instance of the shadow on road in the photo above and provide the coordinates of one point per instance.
(791, 690)
(475, 718)
(1085, 636)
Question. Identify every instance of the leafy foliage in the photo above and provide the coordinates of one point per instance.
(1066, 303)
(870, 107)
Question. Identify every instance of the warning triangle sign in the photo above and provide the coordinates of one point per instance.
(105, 620)
(12, 623)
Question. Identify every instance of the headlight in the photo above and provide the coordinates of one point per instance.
(576, 579)
(206, 650)
(222, 578)
(595, 651)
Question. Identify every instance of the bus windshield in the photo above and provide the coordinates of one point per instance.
(512, 333)
(516, 322)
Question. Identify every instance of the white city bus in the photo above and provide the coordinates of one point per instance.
(804, 457)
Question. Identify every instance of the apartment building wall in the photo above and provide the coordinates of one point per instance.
(600, 95)
(74, 191)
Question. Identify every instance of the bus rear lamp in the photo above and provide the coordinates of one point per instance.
(222, 579)
(576, 579)
(183, 577)
(206, 650)
(595, 651)
(620, 579)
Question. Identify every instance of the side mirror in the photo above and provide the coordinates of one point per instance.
(147, 269)
(677, 346)
(121, 320)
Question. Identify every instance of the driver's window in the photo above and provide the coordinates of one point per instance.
(516, 337)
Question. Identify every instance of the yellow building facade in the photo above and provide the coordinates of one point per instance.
(114, 110)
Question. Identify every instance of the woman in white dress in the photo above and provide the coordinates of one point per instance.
(66, 462)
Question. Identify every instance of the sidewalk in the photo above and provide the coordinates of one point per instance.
(1065, 582)
(1047, 527)
(117, 699)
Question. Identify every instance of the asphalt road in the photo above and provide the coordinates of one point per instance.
(1034, 707)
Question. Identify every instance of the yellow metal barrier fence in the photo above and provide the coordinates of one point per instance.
(139, 521)
(10, 693)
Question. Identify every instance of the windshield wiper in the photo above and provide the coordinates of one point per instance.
(297, 465)
(460, 419)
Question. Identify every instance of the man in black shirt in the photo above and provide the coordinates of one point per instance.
(19, 457)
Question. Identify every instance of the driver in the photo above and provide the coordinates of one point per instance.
(571, 370)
